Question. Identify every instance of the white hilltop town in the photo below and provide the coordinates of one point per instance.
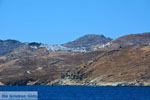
(53, 48)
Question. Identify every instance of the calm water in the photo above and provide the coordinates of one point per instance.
(85, 93)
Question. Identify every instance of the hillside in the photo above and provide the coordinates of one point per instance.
(127, 41)
(87, 41)
(124, 62)
(7, 46)
(123, 67)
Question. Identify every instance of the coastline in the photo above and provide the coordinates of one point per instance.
(119, 84)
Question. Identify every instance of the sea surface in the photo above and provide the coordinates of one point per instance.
(84, 93)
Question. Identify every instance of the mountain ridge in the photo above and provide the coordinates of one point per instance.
(120, 62)
(87, 41)
(90, 39)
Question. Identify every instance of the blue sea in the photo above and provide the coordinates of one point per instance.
(84, 93)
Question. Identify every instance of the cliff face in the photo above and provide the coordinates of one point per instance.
(113, 65)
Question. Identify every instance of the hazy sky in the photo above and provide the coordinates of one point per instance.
(60, 21)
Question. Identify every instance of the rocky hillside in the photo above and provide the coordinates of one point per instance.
(88, 41)
(132, 40)
(127, 41)
(79, 45)
(82, 44)
(7, 46)
(120, 62)
(122, 67)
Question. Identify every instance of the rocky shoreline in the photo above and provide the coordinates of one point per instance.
(68, 82)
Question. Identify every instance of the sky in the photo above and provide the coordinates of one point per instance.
(60, 21)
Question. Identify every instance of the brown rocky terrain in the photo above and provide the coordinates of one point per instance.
(129, 41)
(88, 41)
(123, 63)
(127, 66)
(7, 46)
